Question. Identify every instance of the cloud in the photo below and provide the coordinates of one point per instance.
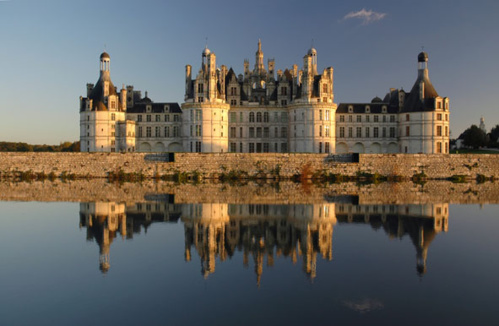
(367, 16)
(364, 306)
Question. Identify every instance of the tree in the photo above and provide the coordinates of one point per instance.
(494, 135)
(474, 137)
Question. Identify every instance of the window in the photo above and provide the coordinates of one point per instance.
(384, 132)
(368, 118)
(359, 118)
(233, 91)
(407, 117)
(148, 132)
(167, 131)
(233, 117)
(284, 102)
(158, 118)
(284, 132)
(284, 117)
(384, 118)
(199, 115)
(327, 131)
(251, 132)
(157, 132)
(350, 119)
(320, 131)
(392, 118)
(176, 117)
(376, 118)
(252, 117)
(266, 147)
(342, 132)
(324, 88)
(240, 132)
(251, 147)
(284, 147)
(376, 132)
(148, 118)
(326, 147)
(233, 102)
(259, 132)
(200, 99)
(342, 118)
(200, 88)
(439, 130)
(446, 131)
(359, 132)
(320, 147)
(439, 147)
(113, 116)
(439, 116)
(175, 131)
(259, 117)
(167, 117)
(233, 132)
(284, 91)
(266, 132)
(198, 131)
(276, 132)
(407, 131)
(392, 132)
(350, 132)
(367, 132)
(327, 115)
(198, 147)
(139, 118)
(140, 131)
(240, 147)
(233, 147)
(265, 117)
(320, 115)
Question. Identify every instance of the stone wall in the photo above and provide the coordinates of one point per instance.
(269, 165)
(252, 193)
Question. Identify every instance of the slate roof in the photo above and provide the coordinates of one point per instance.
(361, 108)
(155, 108)
(413, 102)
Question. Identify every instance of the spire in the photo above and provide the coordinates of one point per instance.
(259, 66)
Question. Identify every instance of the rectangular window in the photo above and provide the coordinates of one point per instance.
(326, 147)
(198, 131)
(376, 118)
(446, 131)
(320, 115)
(176, 117)
(167, 131)
(240, 117)
(368, 118)
(175, 131)
(233, 147)
(284, 117)
(327, 114)
(439, 147)
(167, 117)
(439, 116)
(367, 132)
(158, 118)
(392, 118)
(350, 132)
(407, 117)
(320, 147)
(350, 118)
(157, 132)
(251, 147)
(439, 130)
(240, 132)
(392, 132)
(266, 132)
(266, 147)
(259, 132)
(342, 132)
(198, 147)
(407, 130)
(327, 131)
(320, 131)
(148, 132)
(384, 132)
(240, 147)
(233, 132)
(233, 117)
(200, 88)
(342, 118)
(139, 118)
(113, 116)
(284, 147)
(251, 132)
(359, 132)
(284, 132)
(265, 117)
(140, 131)
(148, 118)
(376, 132)
(384, 118)
(359, 118)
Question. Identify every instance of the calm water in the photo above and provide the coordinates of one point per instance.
(158, 261)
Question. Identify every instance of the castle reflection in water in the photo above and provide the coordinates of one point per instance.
(262, 232)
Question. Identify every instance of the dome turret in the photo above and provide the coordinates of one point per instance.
(423, 57)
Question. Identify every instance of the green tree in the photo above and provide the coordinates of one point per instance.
(494, 136)
(474, 137)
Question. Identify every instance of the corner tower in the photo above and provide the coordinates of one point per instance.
(205, 112)
(101, 112)
(424, 117)
(312, 113)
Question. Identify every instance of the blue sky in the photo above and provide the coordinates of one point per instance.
(50, 49)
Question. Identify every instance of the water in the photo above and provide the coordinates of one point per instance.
(194, 255)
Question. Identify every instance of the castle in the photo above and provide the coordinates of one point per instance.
(262, 111)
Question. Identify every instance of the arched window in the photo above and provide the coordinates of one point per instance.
(259, 117)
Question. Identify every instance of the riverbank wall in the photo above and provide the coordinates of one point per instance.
(278, 166)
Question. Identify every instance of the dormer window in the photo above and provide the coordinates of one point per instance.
(350, 109)
(368, 109)
(148, 108)
(383, 109)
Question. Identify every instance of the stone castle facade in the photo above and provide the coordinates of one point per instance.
(263, 110)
